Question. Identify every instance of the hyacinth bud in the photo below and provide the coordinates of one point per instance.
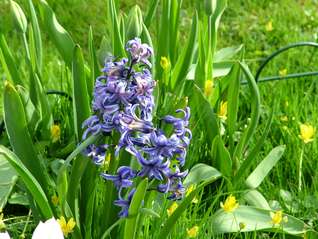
(19, 16)
(210, 6)
(134, 23)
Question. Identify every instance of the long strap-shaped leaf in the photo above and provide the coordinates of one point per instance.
(136, 202)
(30, 182)
(60, 37)
(184, 62)
(36, 35)
(20, 139)
(8, 62)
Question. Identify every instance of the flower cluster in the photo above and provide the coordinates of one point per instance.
(124, 102)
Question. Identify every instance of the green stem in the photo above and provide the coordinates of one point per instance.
(300, 168)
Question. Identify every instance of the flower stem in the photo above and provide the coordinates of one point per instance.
(300, 167)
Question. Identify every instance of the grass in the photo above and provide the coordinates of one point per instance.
(244, 21)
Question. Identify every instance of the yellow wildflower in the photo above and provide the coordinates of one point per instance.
(269, 26)
(55, 133)
(277, 217)
(190, 190)
(230, 204)
(164, 63)
(67, 227)
(284, 118)
(283, 72)
(223, 110)
(208, 88)
(307, 133)
(55, 200)
(172, 208)
(193, 232)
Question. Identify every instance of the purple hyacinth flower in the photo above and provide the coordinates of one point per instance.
(92, 125)
(97, 153)
(123, 179)
(125, 204)
(140, 52)
(180, 124)
(154, 167)
(173, 178)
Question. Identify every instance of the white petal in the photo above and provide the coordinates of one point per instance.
(48, 230)
(4, 235)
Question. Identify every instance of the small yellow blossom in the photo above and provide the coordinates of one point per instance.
(283, 72)
(55, 133)
(230, 204)
(165, 63)
(193, 232)
(67, 227)
(269, 26)
(172, 208)
(307, 133)
(208, 88)
(55, 200)
(284, 118)
(190, 190)
(277, 217)
(223, 110)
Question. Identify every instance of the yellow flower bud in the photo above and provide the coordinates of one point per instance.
(55, 133)
(164, 63)
(172, 208)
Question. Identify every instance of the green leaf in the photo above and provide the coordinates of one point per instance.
(171, 221)
(93, 63)
(8, 178)
(81, 102)
(19, 16)
(60, 37)
(151, 12)
(254, 219)
(9, 62)
(226, 53)
(221, 157)
(256, 199)
(36, 36)
(184, 62)
(206, 116)
(136, 202)
(20, 139)
(247, 163)
(201, 173)
(118, 47)
(255, 114)
(261, 171)
(30, 182)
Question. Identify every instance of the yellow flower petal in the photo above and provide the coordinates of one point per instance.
(283, 72)
(230, 204)
(269, 26)
(67, 227)
(193, 232)
(277, 217)
(307, 133)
